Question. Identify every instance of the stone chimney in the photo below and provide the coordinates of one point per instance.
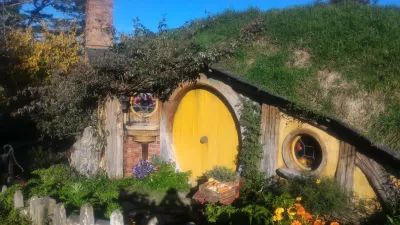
(99, 23)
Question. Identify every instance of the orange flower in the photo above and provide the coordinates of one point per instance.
(335, 223)
(297, 205)
(296, 222)
(307, 217)
(317, 222)
(301, 210)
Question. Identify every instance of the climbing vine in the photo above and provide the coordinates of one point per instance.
(250, 156)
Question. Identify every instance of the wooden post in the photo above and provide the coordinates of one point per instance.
(115, 135)
(86, 216)
(345, 169)
(59, 216)
(18, 200)
(270, 119)
(116, 218)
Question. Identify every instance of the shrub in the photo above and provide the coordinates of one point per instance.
(47, 182)
(221, 173)
(164, 179)
(251, 215)
(321, 196)
(67, 186)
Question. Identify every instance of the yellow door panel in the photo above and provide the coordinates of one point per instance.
(202, 114)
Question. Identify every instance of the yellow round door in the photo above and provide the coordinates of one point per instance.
(204, 133)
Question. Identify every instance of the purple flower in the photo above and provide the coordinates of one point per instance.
(143, 169)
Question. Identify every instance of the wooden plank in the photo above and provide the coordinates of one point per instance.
(378, 178)
(114, 131)
(345, 169)
(270, 118)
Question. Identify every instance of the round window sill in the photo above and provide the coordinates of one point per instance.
(288, 156)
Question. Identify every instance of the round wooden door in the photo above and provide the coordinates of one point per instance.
(204, 133)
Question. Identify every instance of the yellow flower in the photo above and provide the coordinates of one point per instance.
(279, 211)
(318, 181)
(277, 218)
(298, 199)
(292, 211)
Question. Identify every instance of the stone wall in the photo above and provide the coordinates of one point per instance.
(133, 153)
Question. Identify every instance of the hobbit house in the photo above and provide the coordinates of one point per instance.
(198, 127)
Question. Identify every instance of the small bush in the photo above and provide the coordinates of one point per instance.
(164, 179)
(65, 185)
(47, 182)
(222, 173)
(249, 215)
(321, 196)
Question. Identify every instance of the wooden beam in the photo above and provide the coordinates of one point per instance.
(378, 178)
(345, 169)
(270, 119)
(115, 136)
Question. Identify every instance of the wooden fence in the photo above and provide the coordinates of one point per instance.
(45, 210)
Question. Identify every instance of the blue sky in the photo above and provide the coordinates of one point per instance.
(178, 12)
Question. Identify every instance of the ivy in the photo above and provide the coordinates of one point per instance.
(251, 153)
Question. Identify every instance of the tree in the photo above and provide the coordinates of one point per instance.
(373, 2)
(66, 12)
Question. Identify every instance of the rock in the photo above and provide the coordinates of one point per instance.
(41, 209)
(60, 215)
(288, 173)
(18, 199)
(3, 189)
(73, 219)
(116, 218)
(86, 154)
(86, 216)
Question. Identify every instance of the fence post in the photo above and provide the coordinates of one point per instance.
(18, 199)
(3, 189)
(116, 218)
(60, 216)
(41, 209)
(86, 216)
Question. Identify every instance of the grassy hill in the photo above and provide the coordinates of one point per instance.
(339, 60)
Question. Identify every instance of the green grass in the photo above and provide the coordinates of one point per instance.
(361, 43)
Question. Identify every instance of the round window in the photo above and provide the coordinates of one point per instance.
(143, 104)
(303, 149)
(306, 152)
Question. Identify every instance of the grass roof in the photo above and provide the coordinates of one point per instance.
(340, 60)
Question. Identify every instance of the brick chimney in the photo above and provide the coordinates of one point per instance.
(99, 21)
